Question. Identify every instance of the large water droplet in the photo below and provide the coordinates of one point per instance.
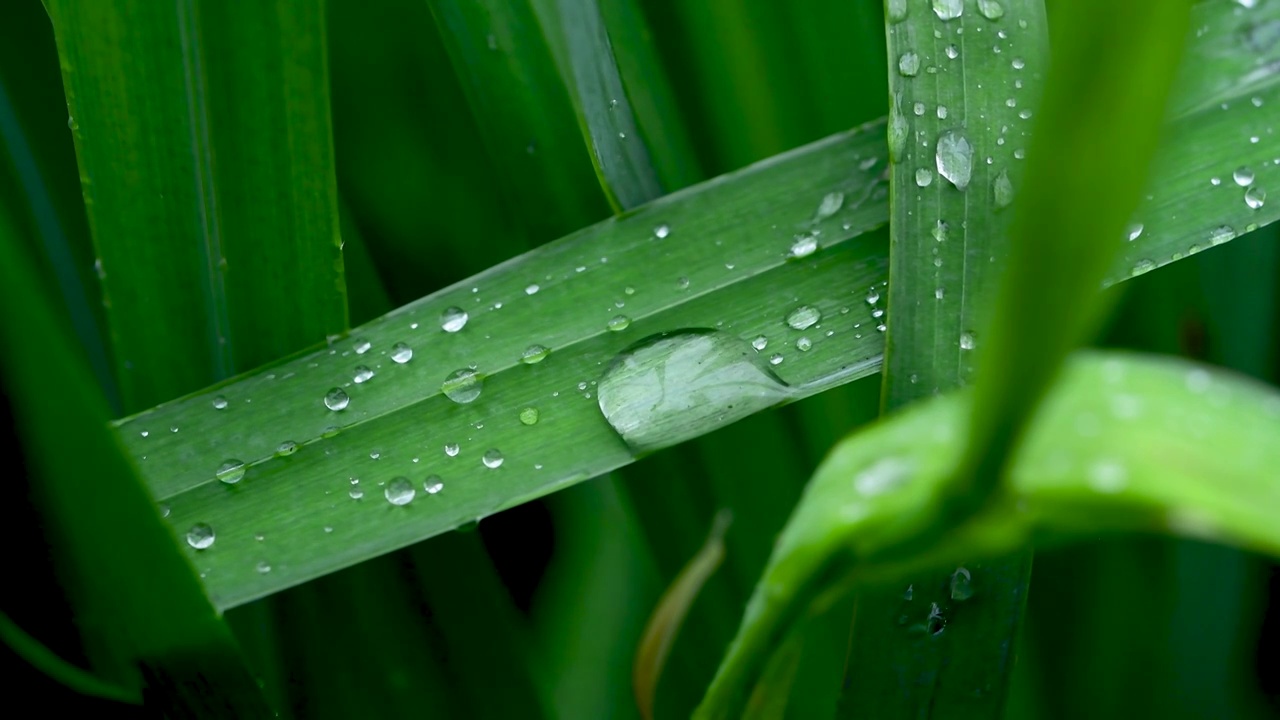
(1243, 176)
(967, 341)
(1002, 189)
(671, 387)
(618, 323)
(453, 319)
(955, 159)
(399, 491)
(337, 399)
(492, 459)
(924, 177)
(991, 9)
(200, 536)
(896, 10)
(401, 353)
(909, 64)
(1255, 197)
(463, 386)
(948, 9)
(534, 354)
(230, 472)
(529, 416)
(804, 317)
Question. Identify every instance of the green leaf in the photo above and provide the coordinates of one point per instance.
(203, 138)
(111, 548)
(1123, 443)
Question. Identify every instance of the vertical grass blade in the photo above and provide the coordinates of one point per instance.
(203, 138)
(964, 80)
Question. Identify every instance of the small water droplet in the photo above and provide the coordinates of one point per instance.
(941, 231)
(873, 296)
(399, 491)
(433, 484)
(453, 319)
(804, 317)
(1255, 197)
(1243, 176)
(1018, 63)
(529, 416)
(955, 159)
(953, 52)
(939, 293)
(991, 9)
(1002, 189)
(967, 341)
(1221, 234)
(662, 231)
(330, 431)
(924, 177)
(401, 353)
(618, 323)
(531, 289)
(942, 112)
(452, 449)
(463, 386)
(948, 9)
(775, 359)
(1142, 266)
(230, 472)
(803, 344)
(830, 205)
(262, 567)
(200, 536)
(961, 585)
(219, 403)
(909, 64)
(361, 346)
(362, 374)
(1134, 231)
(673, 386)
(760, 342)
(492, 459)
(286, 448)
(534, 354)
(918, 109)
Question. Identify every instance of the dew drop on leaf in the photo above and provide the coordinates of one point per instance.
(804, 317)
(1243, 176)
(954, 159)
(452, 449)
(219, 403)
(1255, 197)
(230, 472)
(433, 484)
(948, 9)
(363, 373)
(991, 9)
(493, 459)
(453, 319)
(401, 353)
(399, 491)
(618, 323)
(534, 354)
(529, 416)
(200, 536)
(361, 346)
(286, 448)
(462, 386)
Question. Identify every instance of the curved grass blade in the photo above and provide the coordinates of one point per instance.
(71, 677)
(962, 90)
(1176, 448)
(739, 210)
(523, 111)
(111, 548)
(175, 150)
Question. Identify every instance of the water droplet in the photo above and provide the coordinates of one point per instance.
(286, 448)
(462, 386)
(1142, 266)
(939, 293)
(948, 9)
(775, 359)
(355, 493)
(942, 112)
(1255, 197)
(967, 341)
(263, 567)
(452, 449)
(230, 472)
(336, 399)
(618, 323)
(804, 246)
(453, 319)
(72, 124)
(362, 374)
(399, 491)
(529, 416)
(531, 289)
(804, 317)
(830, 205)
(924, 177)
(200, 536)
(991, 9)
(803, 344)
(401, 353)
(1133, 232)
(534, 354)
(361, 346)
(961, 585)
(898, 130)
(1002, 189)
(492, 459)
(1018, 63)
(918, 109)
(1243, 176)
(896, 10)
(953, 52)
(433, 484)
(909, 64)
(662, 231)
(941, 231)
(682, 283)
(1221, 234)
(883, 476)
(674, 386)
(873, 296)
(330, 431)
(955, 159)
(219, 403)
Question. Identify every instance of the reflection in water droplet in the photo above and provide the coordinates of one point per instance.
(941, 231)
(363, 373)
(263, 567)
(531, 289)
(399, 491)
(200, 536)
(433, 484)
(336, 399)
(534, 354)
(1142, 266)
(954, 158)
(618, 323)
(898, 129)
(453, 319)
(804, 317)
(361, 346)
(1255, 197)
(452, 449)
(670, 387)
(529, 416)
(463, 386)
(1243, 176)
(492, 459)
(761, 342)
(967, 341)
(401, 353)
(219, 403)
(775, 359)
(230, 472)
(803, 344)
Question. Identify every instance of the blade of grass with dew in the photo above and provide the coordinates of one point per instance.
(168, 648)
(523, 112)
(962, 88)
(1191, 463)
(145, 125)
(758, 270)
